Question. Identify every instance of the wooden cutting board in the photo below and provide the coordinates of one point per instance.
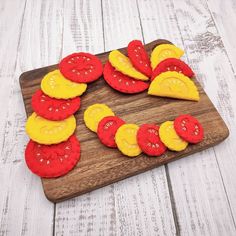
(100, 166)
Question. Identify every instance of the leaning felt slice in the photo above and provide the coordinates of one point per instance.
(149, 140)
(81, 67)
(174, 85)
(189, 128)
(107, 128)
(139, 57)
(126, 140)
(45, 131)
(170, 138)
(172, 64)
(122, 83)
(163, 51)
(55, 85)
(52, 108)
(54, 160)
(94, 114)
(124, 65)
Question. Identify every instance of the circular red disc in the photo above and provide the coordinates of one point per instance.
(149, 140)
(139, 57)
(121, 82)
(172, 64)
(189, 128)
(52, 108)
(81, 67)
(55, 160)
(107, 128)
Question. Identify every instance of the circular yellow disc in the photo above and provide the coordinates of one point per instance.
(126, 140)
(55, 85)
(45, 131)
(94, 113)
(170, 138)
(164, 51)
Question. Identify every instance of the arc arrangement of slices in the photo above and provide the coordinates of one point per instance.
(54, 149)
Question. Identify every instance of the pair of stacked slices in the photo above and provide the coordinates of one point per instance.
(54, 149)
(170, 77)
(151, 139)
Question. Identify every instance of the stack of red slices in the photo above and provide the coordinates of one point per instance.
(58, 158)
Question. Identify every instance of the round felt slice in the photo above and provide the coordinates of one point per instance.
(52, 108)
(139, 57)
(81, 67)
(149, 140)
(189, 128)
(172, 64)
(170, 138)
(45, 131)
(55, 85)
(126, 140)
(107, 128)
(163, 51)
(55, 160)
(122, 83)
(94, 114)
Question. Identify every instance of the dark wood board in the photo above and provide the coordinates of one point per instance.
(100, 166)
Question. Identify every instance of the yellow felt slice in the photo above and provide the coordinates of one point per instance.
(55, 85)
(175, 85)
(164, 51)
(124, 65)
(126, 140)
(94, 114)
(170, 138)
(45, 131)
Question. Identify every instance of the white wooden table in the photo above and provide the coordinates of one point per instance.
(192, 196)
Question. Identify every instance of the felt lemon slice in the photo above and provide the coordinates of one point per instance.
(163, 51)
(126, 140)
(45, 131)
(174, 85)
(124, 65)
(170, 138)
(55, 85)
(94, 114)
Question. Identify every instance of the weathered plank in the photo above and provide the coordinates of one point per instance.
(224, 15)
(138, 205)
(198, 190)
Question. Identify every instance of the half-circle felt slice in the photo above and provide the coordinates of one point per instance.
(172, 64)
(139, 57)
(124, 65)
(174, 85)
(163, 51)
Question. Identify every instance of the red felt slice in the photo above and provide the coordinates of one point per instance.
(149, 140)
(81, 67)
(55, 160)
(139, 57)
(189, 128)
(52, 108)
(121, 82)
(172, 64)
(107, 128)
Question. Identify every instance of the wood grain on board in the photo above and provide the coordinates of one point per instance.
(99, 165)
